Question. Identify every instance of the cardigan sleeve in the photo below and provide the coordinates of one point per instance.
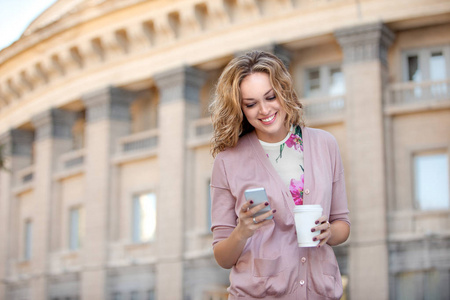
(339, 207)
(223, 215)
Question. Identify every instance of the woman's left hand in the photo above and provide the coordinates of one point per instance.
(325, 226)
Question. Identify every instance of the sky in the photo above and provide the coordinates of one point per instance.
(16, 15)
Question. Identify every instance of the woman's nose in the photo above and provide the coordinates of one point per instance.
(263, 109)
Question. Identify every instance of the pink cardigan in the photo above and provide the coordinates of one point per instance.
(271, 264)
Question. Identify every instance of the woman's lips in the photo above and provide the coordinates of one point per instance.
(269, 120)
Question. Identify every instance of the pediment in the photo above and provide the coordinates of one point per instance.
(57, 11)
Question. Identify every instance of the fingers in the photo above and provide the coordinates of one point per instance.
(325, 227)
(246, 206)
(247, 214)
(321, 220)
(257, 208)
(264, 217)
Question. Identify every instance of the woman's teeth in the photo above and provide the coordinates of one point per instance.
(269, 118)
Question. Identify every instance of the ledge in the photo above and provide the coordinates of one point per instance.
(137, 155)
(69, 173)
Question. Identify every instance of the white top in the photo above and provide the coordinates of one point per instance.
(287, 159)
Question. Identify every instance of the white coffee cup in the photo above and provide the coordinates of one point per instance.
(305, 219)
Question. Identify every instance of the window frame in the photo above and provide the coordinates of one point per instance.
(80, 233)
(426, 151)
(135, 237)
(324, 80)
(423, 54)
(27, 251)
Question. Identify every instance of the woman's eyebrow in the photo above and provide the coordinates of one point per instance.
(268, 92)
(254, 99)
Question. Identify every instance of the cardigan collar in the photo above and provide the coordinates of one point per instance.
(261, 155)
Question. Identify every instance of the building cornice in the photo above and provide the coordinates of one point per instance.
(119, 47)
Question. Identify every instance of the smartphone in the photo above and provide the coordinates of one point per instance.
(258, 196)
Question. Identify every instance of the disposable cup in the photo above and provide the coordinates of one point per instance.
(305, 218)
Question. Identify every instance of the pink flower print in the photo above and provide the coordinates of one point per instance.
(295, 141)
(296, 189)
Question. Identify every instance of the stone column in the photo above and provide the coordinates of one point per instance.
(17, 146)
(365, 68)
(179, 103)
(7, 235)
(52, 138)
(107, 119)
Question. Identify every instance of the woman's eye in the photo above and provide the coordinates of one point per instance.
(272, 98)
(249, 105)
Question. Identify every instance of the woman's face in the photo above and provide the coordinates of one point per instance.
(262, 108)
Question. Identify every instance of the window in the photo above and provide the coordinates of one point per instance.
(134, 295)
(116, 296)
(28, 240)
(150, 295)
(75, 228)
(78, 131)
(144, 112)
(427, 64)
(431, 181)
(413, 68)
(327, 80)
(430, 284)
(144, 218)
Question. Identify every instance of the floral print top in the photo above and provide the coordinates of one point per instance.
(287, 159)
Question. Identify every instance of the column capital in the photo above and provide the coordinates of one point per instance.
(366, 42)
(17, 142)
(54, 123)
(108, 103)
(183, 83)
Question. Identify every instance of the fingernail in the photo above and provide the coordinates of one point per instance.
(312, 230)
(267, 203)
(318, 246)
(251, 201)
(274, 211)
(314, 239)
(317, 222)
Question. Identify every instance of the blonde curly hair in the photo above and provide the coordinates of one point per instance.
(229, 122)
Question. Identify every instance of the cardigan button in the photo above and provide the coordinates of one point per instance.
(303, 259)
(302, 282)
(307, 191)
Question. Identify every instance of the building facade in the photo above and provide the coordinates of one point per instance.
(105, 129)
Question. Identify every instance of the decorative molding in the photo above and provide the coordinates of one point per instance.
(365, 43)
(182, 83)
(160, 29)
(108, 103)
(54, 123)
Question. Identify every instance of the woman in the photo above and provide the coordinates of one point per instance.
(260, 141)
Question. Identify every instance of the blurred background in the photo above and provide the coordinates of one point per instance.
(104, 139)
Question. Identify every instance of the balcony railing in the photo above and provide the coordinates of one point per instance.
(418, 95)
(324, 109)
(71, 159)
(25, 175)
(142, 141)
(200, 132)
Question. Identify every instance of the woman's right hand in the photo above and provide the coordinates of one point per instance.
(248, 223)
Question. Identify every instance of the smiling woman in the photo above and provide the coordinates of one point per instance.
(270, 147)
(263, 109)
